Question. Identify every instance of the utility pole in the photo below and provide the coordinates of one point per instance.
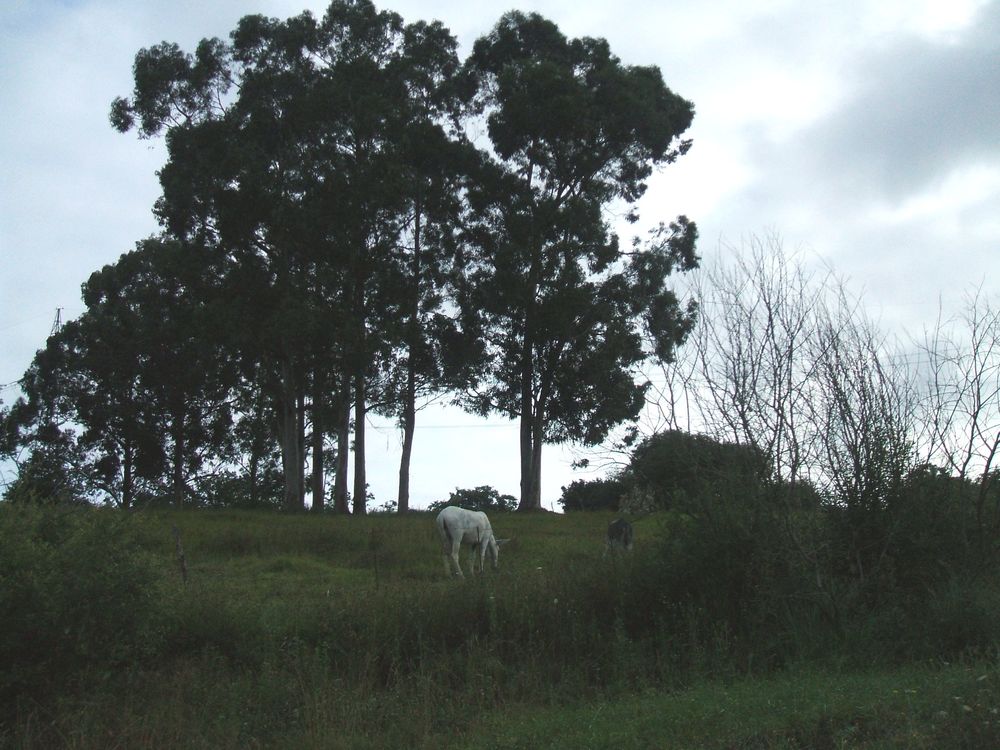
(57, 323)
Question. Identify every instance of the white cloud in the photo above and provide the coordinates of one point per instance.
(940, 20)
(946, 201)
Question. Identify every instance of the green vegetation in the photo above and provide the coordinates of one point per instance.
(317, 632)
(484, 498)
(354, 219)
(912, 707)
(813, 570)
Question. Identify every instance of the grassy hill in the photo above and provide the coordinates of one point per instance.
(329, 632)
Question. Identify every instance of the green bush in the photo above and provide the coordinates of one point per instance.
(594, 494)
(482, 498)
(75, 593)
(683, 471)
(957, 619)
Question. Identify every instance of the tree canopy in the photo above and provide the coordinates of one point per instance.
(567, 313)
(335, 241)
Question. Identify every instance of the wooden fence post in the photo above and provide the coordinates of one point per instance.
(180, 554)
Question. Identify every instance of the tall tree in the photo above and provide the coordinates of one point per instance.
(300, 151)
(395, 94)
(223, 182)
(437, 161)
(242, 174)
(158, 304)
(565, 309)
(135, 388)
(362, 97)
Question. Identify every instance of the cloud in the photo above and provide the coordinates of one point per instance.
(889, 170)
(919, 109)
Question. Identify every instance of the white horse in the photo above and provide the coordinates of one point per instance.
(458, 526)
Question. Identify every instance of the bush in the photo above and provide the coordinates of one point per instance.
(481, 498)
(594, 494)
(228, 490)
(44, 480)
(682, 470)
(75, 592)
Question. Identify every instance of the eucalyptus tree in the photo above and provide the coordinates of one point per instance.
(252, 132)
(158, 306)
(232, 183)
(369, 71)
(308, 153)
(134, 389)
(437, 162)
(567, 312)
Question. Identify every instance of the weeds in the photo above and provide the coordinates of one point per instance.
(296, 631)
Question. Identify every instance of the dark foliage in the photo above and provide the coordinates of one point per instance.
(76, 593)
(593, 494)
(484, 498)
(682, 470)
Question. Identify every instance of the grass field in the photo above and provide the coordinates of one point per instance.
(331, 632)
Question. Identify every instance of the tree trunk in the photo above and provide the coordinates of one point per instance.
(128, 489)
(318, 479)
(531, 458)
(529, 445)
(529, 448)
(257, 449)
(253, 477)
(360, 480)
(340, 504)
(527, 462)
(300, 429)
(531, 462)
(291, 459)
(177, 428)
(409, 425)
(409, 412)
(536, 460)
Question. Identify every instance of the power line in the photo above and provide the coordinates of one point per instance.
(490, 425)
(418, 426)
(22, 322)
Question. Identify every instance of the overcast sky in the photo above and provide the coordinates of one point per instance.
(865, 134)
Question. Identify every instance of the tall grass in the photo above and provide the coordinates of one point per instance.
(914, 707)
(302, 631)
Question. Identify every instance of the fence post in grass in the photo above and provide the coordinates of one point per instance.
(374, 545)
(180, 554)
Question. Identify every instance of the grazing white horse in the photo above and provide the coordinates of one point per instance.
(620, 536)
(458, 526)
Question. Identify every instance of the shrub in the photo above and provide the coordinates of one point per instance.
(960, 617)
(682, 469)
(594, 494)
(228, 490)
(481, 498)
(75, 592)
(44, 480)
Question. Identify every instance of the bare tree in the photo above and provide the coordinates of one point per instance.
(961, 408)
(752, 374)
(864, 418)
(786, 360)
(864, 408)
